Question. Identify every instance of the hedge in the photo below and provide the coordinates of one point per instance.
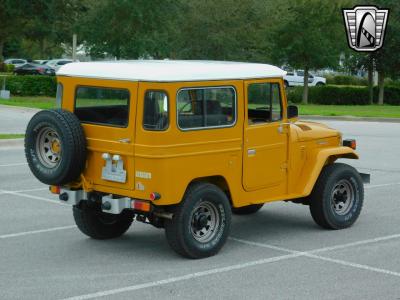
(31, 85)
(346, 80)
(343, 95)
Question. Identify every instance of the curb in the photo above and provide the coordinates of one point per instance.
(20, 108)
(12, 143)
(350, 118)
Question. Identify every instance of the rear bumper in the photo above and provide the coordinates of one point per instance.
(366, 178)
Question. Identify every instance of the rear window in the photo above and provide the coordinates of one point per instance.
(206, 107)
(106, 106)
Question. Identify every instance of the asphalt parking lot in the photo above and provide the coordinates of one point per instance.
(278, 253)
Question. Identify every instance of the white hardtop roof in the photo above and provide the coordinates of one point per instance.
(170, 70)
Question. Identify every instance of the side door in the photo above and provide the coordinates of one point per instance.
(265, 151)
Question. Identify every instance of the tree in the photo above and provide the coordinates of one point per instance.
(309, 35)
(128, 29)
(387, 58)
(223, 30)
(51, 23)
(12, 18)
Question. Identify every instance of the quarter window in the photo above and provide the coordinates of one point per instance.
(264, 103)
(206, 107)
(106, 106)
(155, 112)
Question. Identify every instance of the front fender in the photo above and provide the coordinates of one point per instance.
(319, 158)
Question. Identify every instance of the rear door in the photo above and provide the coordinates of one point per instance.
(107, 110)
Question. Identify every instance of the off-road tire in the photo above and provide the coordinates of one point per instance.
(322, 197)
(180, 231)
(247, 210)
(66, 126)
(99, 225)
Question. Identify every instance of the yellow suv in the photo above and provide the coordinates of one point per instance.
(182, 145)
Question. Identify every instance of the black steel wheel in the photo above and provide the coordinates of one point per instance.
(201, 222)
(337, 198)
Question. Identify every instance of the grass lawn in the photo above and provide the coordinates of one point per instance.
(33, 102)
(4, 136)
(384, 111)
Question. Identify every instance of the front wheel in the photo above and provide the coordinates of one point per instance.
(337, 197)
(99, 225)
(201, 222)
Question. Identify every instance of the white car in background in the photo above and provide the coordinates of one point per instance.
(17, 62)
(296, 78)
(58, 63)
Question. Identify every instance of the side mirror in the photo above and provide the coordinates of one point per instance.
(292, 111)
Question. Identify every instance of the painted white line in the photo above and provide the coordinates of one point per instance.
(184, 277)
(354, 265)
(381, 185)
(358, 243)
(14, 165)
(24, 191)
(332, 260)
(55, 201)
(12, 235)
(291, 254)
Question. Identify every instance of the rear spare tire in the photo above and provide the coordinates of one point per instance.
(55, 146)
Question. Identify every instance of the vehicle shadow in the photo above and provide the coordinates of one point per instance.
(146, 242)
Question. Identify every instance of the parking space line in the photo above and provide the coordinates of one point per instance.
(184, 277)
(381, 185)
(291, 254)
(12, 235)
(23, 191)
(14, 165)
(332, 260)
(35, 197)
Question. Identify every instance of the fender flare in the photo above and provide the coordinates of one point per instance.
(324, 157)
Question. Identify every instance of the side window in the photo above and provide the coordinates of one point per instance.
(264, 103)
(155, 112)
(206, 107)
(276, 106)
(59, 95)
(300, 73)
(108, 106)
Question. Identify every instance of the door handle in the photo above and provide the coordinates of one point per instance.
(281, 129)
(251, 152)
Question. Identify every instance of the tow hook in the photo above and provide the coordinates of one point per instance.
(63, 197)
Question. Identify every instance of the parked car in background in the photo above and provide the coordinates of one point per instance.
(58, 63)
(40, 61)
(296, 78)
(17, 62)
(34, 69)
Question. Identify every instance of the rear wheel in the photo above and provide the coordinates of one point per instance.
(247, 210)
(337, 198)
(99, 225)
(201, 222)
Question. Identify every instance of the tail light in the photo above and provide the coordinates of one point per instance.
(141, 205)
